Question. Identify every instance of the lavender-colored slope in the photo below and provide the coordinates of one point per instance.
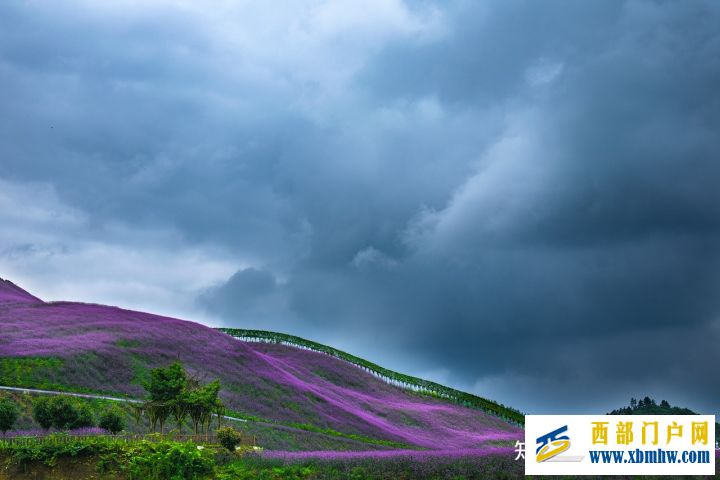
(110, 349)
(11, 293)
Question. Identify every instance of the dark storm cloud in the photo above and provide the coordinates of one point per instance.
(512, 197)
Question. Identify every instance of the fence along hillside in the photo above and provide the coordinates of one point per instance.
(398, 379)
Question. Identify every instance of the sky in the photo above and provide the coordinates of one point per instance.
(516, 198)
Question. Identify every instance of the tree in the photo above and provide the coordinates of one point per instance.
(166, 384)
(112, 420)
(165, 388)
(42, 412)
(84, 416)
(171, 391)
(65, 415)
(8, 415)
(61, 412)
(201, 403)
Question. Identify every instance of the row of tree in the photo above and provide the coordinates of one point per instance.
(62, 413)
(174, 393)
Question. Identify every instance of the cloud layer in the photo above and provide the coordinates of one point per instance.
(515, 198)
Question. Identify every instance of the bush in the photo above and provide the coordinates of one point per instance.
(112, 420)
(84, 416)
(8, 415)
(166, 460)
(42, 412)
(229, 438)
(62, 412)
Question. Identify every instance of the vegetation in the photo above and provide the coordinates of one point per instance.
(648, 406)
(229, 438)
(112, 420)
(62, 412)
(8, 415)
(31, 372)
(172, 392)
(491, 467)
(161, 461)
(141, 460)
(399, 379)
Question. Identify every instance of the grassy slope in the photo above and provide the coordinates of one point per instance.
(98, 348)
(406, 381)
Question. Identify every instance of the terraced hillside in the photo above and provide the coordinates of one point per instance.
(84, 347)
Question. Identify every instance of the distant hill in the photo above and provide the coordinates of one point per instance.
(11, 293)
(94, 348)
(648, 406)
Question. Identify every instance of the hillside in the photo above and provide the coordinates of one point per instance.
(85, 347)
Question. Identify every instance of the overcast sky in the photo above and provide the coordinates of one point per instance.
(517, 198)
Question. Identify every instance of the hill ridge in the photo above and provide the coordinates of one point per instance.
(11, 293)
(395, 378)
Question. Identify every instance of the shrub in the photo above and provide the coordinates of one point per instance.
(62, 412)
(8, 415)
(229, 438)
(166, 460)
(112, 420)
(42, 412)
(84, 416)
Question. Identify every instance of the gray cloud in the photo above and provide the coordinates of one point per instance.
(506, 195)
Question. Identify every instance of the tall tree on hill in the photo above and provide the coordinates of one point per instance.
(165, 387)
(166, 384)
(171, 391)
(201, 403)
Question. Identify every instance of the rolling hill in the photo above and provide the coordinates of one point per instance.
(94, 348)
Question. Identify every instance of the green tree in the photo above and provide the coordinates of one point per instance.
(165, 388)
(62, 412)
(171, 391)
(84, 416)
(201, 403)
(65, 415)
(112, 420)
(8, 415)
(42, 412)
(166, 384)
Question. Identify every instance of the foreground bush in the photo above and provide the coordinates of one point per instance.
(163, 461)
(142, 460)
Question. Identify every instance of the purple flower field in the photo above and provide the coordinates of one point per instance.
(412, 455)
(108, 349)
(82, 432)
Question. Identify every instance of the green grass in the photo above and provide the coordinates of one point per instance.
(325, 431)
(30, 372)
(134, 460)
